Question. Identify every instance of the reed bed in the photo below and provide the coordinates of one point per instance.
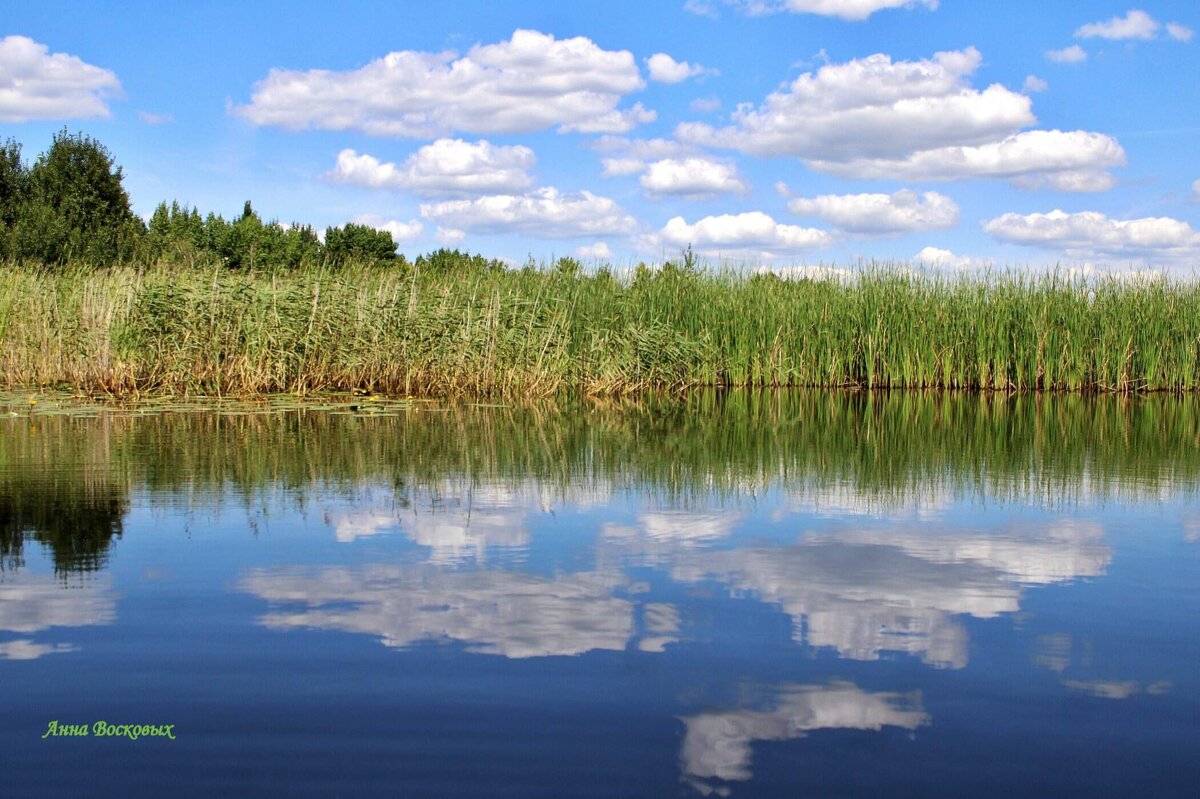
(178, 330)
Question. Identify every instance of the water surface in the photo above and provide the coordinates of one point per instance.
(749, 594)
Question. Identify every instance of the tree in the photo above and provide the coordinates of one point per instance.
(358, 243)
(14, 187)
(14, 181)
(77, 206)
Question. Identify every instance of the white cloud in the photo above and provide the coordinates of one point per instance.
(530, 82)
(402, 232)
(545, 212)
(665, 69)
(1134, 25)
(643, 149)
(447, 167)
(902, 212)
(629, 156)
(872, 108)
(155, 119)
(1180, 33)
(806, 272)
(1090, 234)
(705, 105)
(936, 256)
(1067, 160)
(1033, 84)
(702, 8)
(697, 178)
(1196, 189)
(753, 231)
(782, 189)
(449, 235)
(596, 252)
(844, 9)
(1067, 55)
(618, 167)
(38, 84)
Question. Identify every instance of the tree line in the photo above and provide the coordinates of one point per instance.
(70, 206)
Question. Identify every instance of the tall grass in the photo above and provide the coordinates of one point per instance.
(531, 332)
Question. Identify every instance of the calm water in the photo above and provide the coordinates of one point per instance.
(796, 595)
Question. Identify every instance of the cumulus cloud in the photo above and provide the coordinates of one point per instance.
(447, 167)
(1066, 160)
(642, 149)
(705, 105)
(870, 117)
(1134, 25)
(625, 156)
(843, 9)
(902, 212)
(530, 82)
(596, 252)
(696, 178)
(546, 213)
(665, 69)
(449, 235)
(1180, 33)
(402, 232)
(872, 107)
(936, 256)
(1196, 189)
(38, 84)
(619, 167)
(1034, 84)
(1067, 55)
(753, 231)
(1090, 234)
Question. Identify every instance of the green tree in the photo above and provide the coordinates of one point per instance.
(77, 207)
(14, 189)
(358, 243)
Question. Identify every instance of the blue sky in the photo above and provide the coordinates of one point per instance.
(782, 132)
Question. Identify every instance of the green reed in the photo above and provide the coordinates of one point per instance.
(535, 332)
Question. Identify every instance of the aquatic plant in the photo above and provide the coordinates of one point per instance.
(481, 330)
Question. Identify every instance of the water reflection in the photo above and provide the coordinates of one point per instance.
(33, 603)
(785, 540)
(865, 592)
(514, 614)
(717, 745)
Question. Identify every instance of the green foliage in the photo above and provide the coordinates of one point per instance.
(505, 332)
(14, 183)
(445, 262)
(358, 243)
(76, 206)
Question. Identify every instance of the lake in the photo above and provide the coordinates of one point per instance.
(747, 594)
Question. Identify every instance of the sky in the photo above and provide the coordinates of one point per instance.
(963, 134)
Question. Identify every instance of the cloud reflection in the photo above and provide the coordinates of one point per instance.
(31, 603)
(507, 613)
(865, 592)
(717, 745)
